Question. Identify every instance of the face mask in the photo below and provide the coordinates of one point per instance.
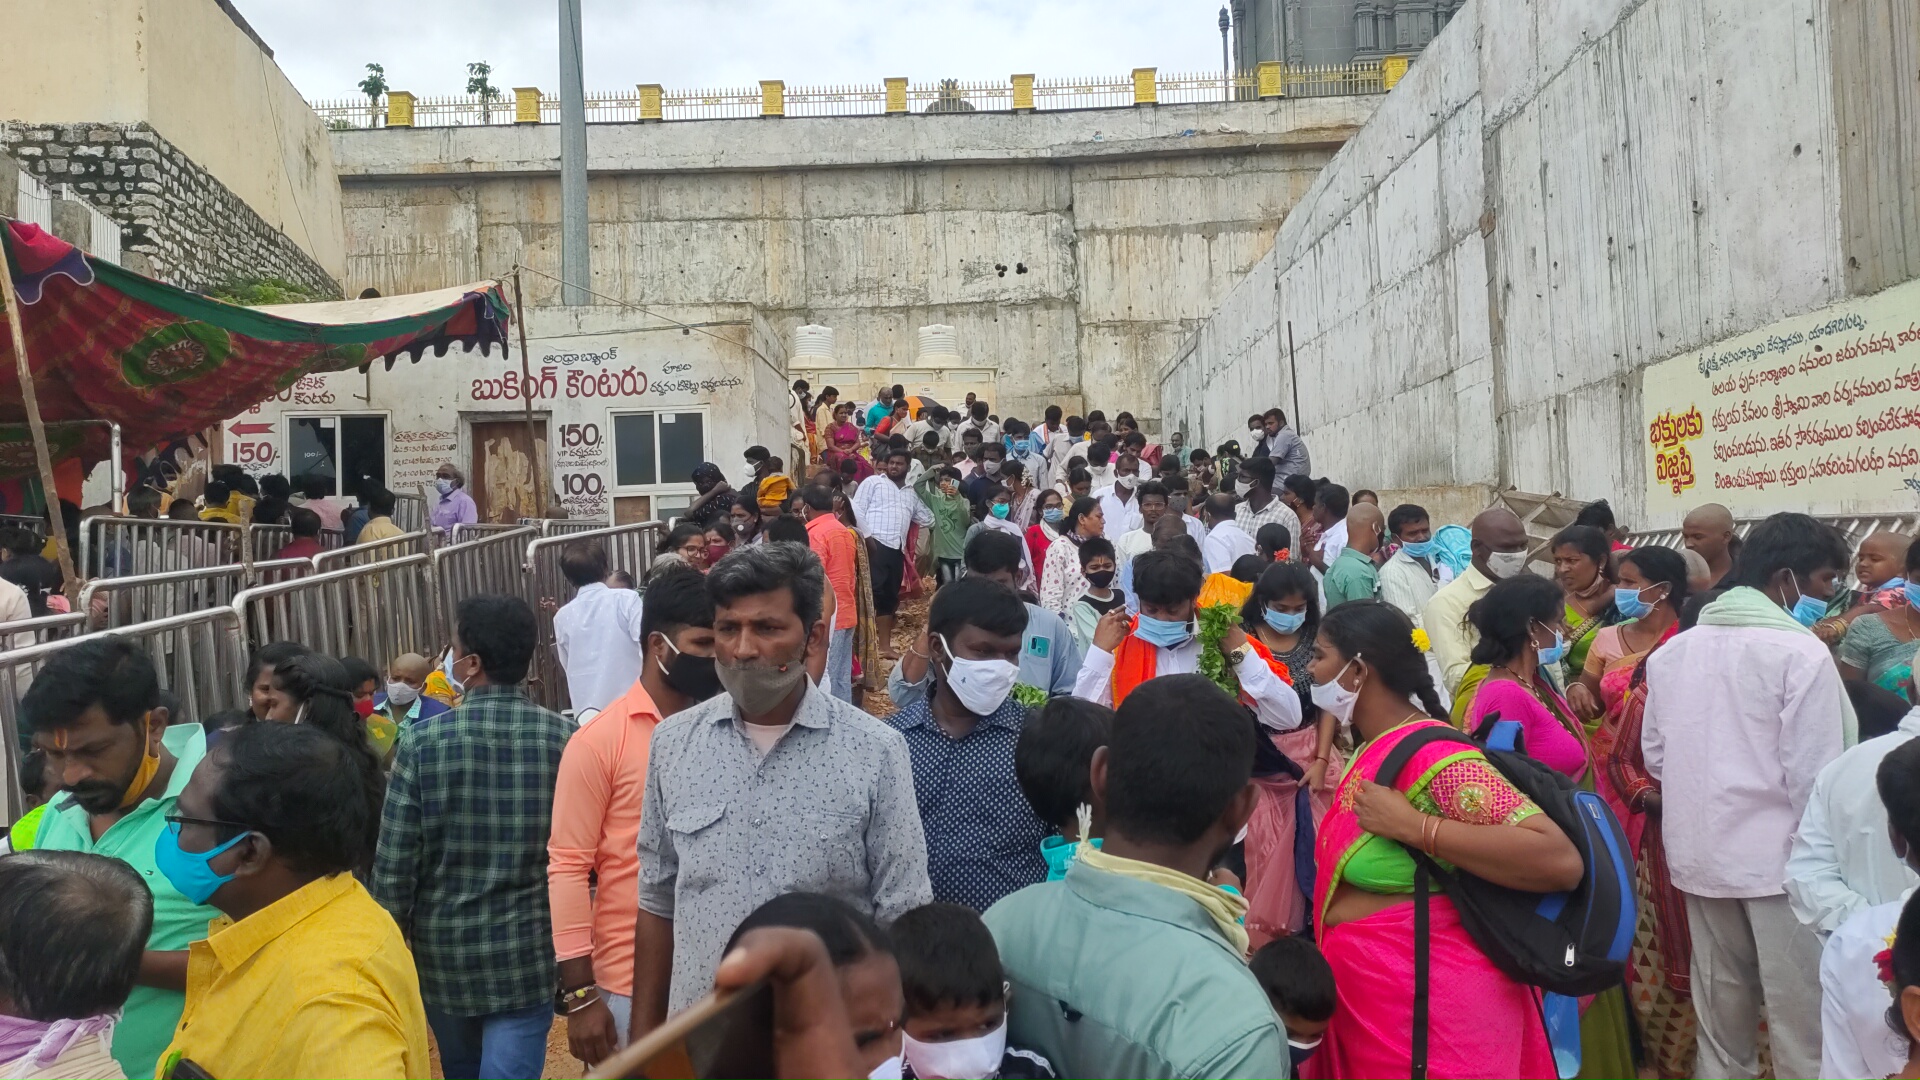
(1053, 515)
(1129, 482)
(1243, 488)
(759, 688)
(1335, 699)
(1502, 565)
(990, 467)
(1285, 622)
(957, 1059)
(1298, 1052)
(1256, 432)
(1167, 635)
(446, 668)
(401, 694)
(1100, 579)
(981, 685)
(1419, 550)
(149, 765)
(363, 706)
(1021, 446)
(716, 552)
(1913, 594)
(1632, 603)
(443, 485)
(693, 677)
(1807, 610)
(889, 1069)
(1000, 510)
(1557, 652)
(187, 871)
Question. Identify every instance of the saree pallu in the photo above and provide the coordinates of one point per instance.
(1480, 1022)
(1276, 896)
(866, 635)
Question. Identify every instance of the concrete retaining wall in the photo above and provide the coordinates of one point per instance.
(1555, 197)
(1071, 250)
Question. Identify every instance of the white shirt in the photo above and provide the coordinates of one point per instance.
(597, 637)
(1855, 1040)
(1131, 545)
(1409, 586)
(1275, 702)
(1122, 517)
(1333, 540)
(1841, 861)
(1739, 722)
(884, 510)
(1224, 545)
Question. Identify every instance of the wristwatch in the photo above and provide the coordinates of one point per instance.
(1239, 655)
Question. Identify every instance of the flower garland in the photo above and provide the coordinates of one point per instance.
(1031, 696)
(1215, 621)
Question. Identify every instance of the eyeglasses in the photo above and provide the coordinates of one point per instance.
(179, 820)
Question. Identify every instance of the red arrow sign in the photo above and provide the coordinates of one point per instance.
(239, 430)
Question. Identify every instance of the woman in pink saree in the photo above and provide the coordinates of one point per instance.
(1368, 671)
(843, 445)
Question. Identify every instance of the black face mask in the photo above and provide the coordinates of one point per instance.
(1100, 579)
(691, 676)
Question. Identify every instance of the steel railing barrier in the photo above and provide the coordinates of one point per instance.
(414, 543)
(130, 546)
(410, 512)
(199, 656)
(564, 526)
(124, 601)
(25, 632)
(464, 533)
(376, 611)
(37, 526)
(492, 562)
(629, 548)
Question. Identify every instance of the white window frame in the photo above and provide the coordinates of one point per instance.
(287, 420)
(682, 487)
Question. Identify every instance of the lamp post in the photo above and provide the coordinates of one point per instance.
(576, 265)
(1226, 62)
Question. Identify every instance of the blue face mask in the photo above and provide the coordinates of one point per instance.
(1632, 604)
(1167, 635)
(1913, 593)
(187, 871)
(1285, 622)
(1556, 652)
(1421, 550)
(1808, 609)
(1054, 515)
(1000, 510)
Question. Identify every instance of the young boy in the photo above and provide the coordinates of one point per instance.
(1299, 985)
(1050, 762)
(956, 1027)
(940, 491)
(1099, 564)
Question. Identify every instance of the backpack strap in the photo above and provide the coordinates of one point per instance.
(1403, 751)
(1422, 970)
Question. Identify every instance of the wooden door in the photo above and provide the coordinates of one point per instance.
(503, 469)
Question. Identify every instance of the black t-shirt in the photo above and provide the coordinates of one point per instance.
(36, 575)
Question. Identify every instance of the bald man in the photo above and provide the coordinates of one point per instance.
(1499, 552)
(1708, 529)
(1352, 575)
(402, 702)
(1880, 563)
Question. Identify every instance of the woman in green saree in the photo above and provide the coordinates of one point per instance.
(1581, 563)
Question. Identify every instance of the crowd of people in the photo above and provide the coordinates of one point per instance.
(1196, 765)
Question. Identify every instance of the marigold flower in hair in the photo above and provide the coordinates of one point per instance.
(1421, 641)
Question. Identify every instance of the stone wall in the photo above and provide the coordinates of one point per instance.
(1556, 197)
(187, 226)
(1070, 250)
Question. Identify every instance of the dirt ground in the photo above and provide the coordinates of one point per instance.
(561, 1064)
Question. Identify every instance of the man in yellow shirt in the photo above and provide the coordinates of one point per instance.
(304, 974)
(379, 524)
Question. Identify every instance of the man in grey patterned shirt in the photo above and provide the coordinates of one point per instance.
(774, 786)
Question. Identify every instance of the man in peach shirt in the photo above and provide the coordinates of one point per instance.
(596, 814)
(834, 543)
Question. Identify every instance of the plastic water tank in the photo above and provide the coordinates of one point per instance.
(939, 345)
(812, 344)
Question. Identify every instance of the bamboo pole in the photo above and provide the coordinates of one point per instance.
(43, 455)
(526, 398)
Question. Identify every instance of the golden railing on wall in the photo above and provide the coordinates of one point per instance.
(898, 96)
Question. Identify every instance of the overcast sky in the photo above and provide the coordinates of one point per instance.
(425, 45)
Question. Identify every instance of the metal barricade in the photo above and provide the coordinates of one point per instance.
(35, 525)
(376, 611)
(564, 526)
(125, 546)
(25, 632)
(333, 539)
(480, 564)
(199, 657)
(414, 543)
(464, 533)
(410, 512)
(629, 548)
(124, 601)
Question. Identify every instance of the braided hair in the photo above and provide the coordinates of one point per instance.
(1382, 635)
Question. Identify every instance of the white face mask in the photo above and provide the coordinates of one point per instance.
(1243, 487)
(446, 668)
(401, 694)
(990, 467)
(981, 685)
(1505, 564)
(887, 1070)
(1257, 432)
(1337, 700)
(958, 1059)
(1129, 482)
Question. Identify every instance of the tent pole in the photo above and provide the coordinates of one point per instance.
(39, 429)
(526, 398)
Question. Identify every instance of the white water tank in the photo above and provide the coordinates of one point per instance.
(812, 345)
(939, 346)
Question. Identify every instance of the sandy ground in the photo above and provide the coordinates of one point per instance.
(912, 616)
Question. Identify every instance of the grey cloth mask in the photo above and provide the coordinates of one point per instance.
(758, 688)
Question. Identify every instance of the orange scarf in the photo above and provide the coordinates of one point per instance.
(1133, 663)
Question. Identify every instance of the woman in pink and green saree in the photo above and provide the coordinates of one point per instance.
(1368, 672)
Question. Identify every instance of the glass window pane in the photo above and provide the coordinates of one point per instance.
(633, 454)
(311, 449)
(683, 445)
(363, 450)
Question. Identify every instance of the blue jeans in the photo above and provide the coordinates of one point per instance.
(840, 663)
(498, 1046)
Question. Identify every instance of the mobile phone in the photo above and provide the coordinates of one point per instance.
(723, 1036)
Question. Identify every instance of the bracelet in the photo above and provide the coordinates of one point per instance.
(1430, 835)
(583, 1006)
(578, 992)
